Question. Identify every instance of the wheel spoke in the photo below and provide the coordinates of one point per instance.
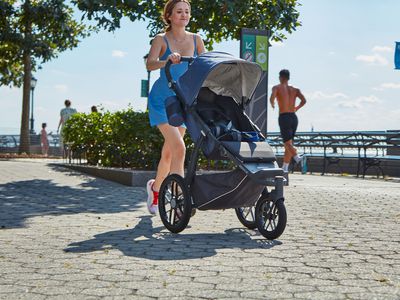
(245, 212)
(252, 214)
(168, 194)
(174, 218)
(173, 188)
(273, 221)
(170, 215)
(267, 222)
(181, 209)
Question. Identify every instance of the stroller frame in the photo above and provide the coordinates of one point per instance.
(177, 192)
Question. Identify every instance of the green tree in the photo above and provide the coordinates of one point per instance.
(33, 32)
(217, 19)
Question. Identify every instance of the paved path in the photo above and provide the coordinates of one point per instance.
(65, 235)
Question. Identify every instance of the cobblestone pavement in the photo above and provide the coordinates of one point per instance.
(65, 235)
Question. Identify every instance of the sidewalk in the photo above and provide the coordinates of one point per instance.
(66, 235)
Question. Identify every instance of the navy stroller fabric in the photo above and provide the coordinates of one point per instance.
(217, 81)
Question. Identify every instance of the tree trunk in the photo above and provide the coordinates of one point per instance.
(24, 143)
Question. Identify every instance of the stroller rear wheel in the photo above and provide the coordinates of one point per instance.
(270, 217)
(247, 216)
(174, 203)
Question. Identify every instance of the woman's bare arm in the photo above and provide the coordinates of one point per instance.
(200, 45)
(153, 62)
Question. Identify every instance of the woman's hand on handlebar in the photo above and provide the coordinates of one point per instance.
(175, 58)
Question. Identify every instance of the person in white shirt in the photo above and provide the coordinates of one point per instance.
(65, 114)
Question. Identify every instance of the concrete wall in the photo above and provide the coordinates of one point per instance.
(125, 177)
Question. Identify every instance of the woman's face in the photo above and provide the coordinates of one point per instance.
(180, 15)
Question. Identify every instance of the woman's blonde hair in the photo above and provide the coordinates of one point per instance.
(169, 6)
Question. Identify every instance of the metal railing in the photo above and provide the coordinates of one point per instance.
(9, 143)
(370, 148)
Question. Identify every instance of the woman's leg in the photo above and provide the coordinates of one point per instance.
(172, 154)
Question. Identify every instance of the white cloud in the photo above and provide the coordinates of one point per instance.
(375, 59)
(360, 102)
(331, 52)
(345, 104)
(318, 95)
(354, 75)
(368, 99)
(386, 86)
(390, 85)
(382, 49)
(61, 88)
(118, 53)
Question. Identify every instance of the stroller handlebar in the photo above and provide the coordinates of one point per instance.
(189, 59)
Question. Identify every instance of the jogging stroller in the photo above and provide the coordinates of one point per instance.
(211, 98)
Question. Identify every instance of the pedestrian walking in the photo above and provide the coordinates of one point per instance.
(44, 141)
(65, 114)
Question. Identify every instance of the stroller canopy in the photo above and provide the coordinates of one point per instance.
(222, 73)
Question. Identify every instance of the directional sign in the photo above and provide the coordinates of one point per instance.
(254, 47)
(262, 51)
(397, 56)
(248, 50)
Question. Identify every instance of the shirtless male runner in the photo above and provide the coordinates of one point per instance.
(288, 121)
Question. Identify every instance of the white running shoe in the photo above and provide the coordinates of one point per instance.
(298, 158)
(151, 207)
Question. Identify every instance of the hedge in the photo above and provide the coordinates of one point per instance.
(122, 139)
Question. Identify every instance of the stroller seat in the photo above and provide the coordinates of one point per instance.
(250, 151)
(258, 158)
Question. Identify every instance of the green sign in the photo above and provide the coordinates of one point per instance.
(144, 91)
(262, 51)
(254, 47)
(248, 47)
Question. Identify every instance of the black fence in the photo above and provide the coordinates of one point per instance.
(375, 150)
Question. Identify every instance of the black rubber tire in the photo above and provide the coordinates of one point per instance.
(267, 212)
(174, 203)
(243, 215)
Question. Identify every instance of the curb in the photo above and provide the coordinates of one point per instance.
(136, 178)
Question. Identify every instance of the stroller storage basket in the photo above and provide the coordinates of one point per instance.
(225, 190)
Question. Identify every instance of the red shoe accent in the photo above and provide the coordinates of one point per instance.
(155, 196)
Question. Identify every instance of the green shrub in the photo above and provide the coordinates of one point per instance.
(122, 139)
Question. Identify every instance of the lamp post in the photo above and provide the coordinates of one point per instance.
(148, 79)
(33, 85)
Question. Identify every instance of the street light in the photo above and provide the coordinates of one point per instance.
(33, 85)
(148, 79)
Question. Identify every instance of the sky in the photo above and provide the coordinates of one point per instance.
(341, 58)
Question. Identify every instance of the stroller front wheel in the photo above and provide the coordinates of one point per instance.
(271, 217)
(174, 204)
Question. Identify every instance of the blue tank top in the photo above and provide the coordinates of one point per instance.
(160, 90)
(176, 69)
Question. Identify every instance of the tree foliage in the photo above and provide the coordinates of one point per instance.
(33, 32)
(41, 28)
(217, 19)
